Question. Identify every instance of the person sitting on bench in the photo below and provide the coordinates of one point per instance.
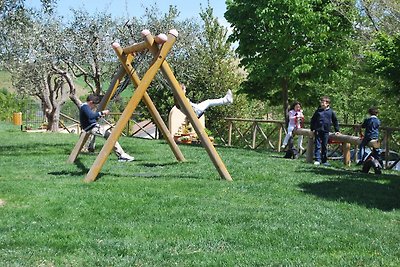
(371, 126)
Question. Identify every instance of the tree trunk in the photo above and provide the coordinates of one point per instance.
(285, 100)
(54, 120)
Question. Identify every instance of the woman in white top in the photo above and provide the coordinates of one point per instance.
(296, 119)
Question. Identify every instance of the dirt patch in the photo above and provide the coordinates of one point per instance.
(2, 203)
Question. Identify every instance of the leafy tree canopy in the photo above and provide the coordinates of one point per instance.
(289, 47)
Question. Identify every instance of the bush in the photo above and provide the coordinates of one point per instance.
(10, 103)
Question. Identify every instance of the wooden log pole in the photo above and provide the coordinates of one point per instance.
(230, 127)
(188, 111)
(135, 48)
(346, 154)
(132, 104)
(310, 149)
(253, 141)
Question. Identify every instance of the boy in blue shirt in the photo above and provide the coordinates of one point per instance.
(371, 126)
(321, 123)
(88, 119)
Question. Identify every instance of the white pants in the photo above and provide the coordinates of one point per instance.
(201, 107)
(100, 130)
(290, 134)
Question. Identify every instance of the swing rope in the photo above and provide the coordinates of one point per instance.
(137, 67)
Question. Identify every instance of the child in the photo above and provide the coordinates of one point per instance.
(371, 126)
(88, 120)
(201, 107)
(321, 123)
(296, 118)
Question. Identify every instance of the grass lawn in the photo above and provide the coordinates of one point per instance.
(158, 212)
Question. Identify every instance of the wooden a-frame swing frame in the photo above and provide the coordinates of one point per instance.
(126, 56)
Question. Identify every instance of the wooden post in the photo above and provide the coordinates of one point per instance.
(253, 143)
(310, 149)
(156, 115)
(164, 129)
(280, 138)
(188, 111)
(387, 146)
(230, 133)
(346, 154)
(132, 104)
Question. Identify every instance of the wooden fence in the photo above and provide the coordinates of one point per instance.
(268, 134)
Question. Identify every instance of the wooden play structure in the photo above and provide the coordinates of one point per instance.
(179, 126)
(159, 46)
(346, 140)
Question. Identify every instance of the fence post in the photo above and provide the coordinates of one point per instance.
(280, 138)
(253, 144)
(346, 153)
(230, 133)
(310, 149)
(387, 146)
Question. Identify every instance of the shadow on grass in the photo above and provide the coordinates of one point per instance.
(83, 170)
(153, 164)
(368, 190)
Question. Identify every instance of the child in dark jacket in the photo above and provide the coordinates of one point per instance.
(88, 119)
(371, 126)
(321, 123)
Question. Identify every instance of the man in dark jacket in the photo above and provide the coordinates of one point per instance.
(321, 123)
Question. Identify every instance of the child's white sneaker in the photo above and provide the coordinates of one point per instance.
(125, 158)
(229, 96)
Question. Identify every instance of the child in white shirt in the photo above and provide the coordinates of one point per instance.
(296, 119)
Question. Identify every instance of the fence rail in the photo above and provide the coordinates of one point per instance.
(253, 133)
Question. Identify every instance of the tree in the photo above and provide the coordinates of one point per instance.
(384, 60)
(378, 28)
(35, 70)
(217, 72)
(289, 47)
(88, 53)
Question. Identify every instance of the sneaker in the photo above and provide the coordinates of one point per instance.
(327, 164)
(316, 163)
(125, 158)
(283, 146)
(229, 96)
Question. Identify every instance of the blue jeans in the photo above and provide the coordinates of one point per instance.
(321, 142)
(361, 151)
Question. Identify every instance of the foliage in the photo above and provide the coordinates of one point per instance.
(157, 212)
(33, 41)
(379, 16)
(88, 53)
(384, 60)
(290, 48)
(10, 103)
(216, 72)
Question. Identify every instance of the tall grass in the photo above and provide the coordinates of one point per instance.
(158, 212)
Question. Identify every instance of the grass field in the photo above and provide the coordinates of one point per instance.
(157, 212)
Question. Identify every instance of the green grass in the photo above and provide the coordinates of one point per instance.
(157, 212)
